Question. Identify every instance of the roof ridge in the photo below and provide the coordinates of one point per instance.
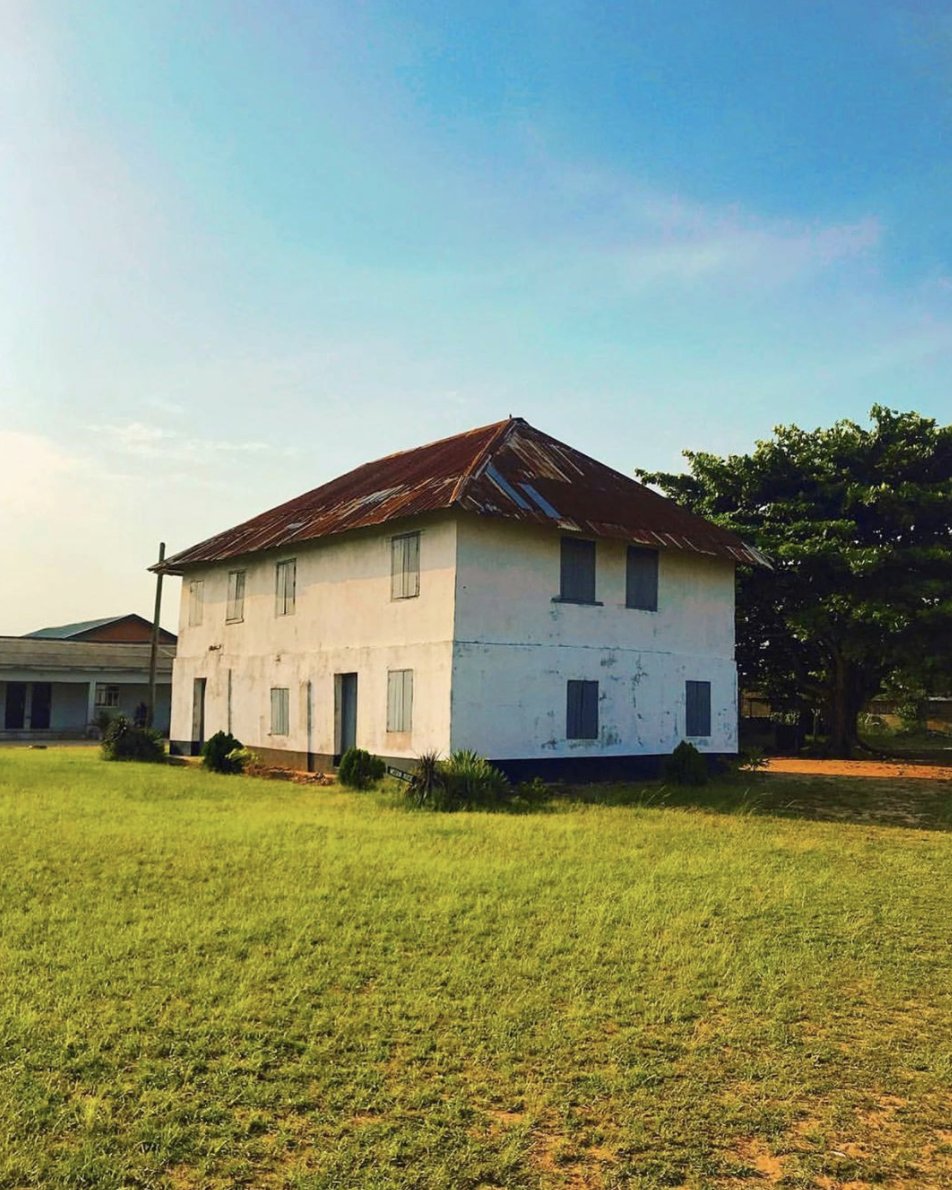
(412, 450)
(502, 429)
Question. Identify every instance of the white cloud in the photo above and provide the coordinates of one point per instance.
(648, 238)
(153, 442)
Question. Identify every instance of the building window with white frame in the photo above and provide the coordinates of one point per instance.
(235, 608)
(196, 602)
(400, 700)
(405, 566)
(106, 695)
(279, 710)
(285, 585)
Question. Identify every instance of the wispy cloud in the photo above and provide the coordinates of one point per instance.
(647, 237)
(154, 442)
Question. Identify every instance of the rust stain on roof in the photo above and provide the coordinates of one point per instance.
(508, 469)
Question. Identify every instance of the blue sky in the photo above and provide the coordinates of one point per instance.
(247, 246)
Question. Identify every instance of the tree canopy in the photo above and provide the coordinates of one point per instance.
(857, 523)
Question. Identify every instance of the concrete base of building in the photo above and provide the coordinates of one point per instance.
(571, 769)
(581, 770)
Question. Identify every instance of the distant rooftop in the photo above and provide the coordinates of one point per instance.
(83, 629)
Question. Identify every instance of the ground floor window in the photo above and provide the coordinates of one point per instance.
(581, 711)
(697, 713)
(279, 710)
(399, 699)
(106, 696)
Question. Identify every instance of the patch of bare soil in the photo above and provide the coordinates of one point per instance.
(895, 769)
(755, 1154)
(295, 776)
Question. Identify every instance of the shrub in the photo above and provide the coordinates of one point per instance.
(122, 741)
(359, 769)
(534, 792)
(686, 766)
(221, 753)
(427, 789)
(472, 780)
(464, 781)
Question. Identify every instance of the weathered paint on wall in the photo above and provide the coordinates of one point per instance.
(490, 651)
(515, 649)
(344, 622)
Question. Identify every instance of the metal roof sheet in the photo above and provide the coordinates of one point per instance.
(65, 631)
(25, 652)
(508, 469)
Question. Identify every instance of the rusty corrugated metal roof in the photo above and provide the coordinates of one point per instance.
(76, 656)
(508, 469)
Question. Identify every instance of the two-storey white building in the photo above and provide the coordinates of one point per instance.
(497, 590)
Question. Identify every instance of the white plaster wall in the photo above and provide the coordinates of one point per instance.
(516, 649)
(509, 701)
(344, 621)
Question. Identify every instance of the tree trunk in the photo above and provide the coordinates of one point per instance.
(852, 685)
(844, 709)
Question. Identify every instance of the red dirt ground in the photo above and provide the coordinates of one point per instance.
(859, 768)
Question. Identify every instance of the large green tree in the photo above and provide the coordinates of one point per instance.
(857, 523)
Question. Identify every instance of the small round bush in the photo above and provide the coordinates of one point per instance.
(359, 769)
(123, 741)
(221, 753)
(686, 766)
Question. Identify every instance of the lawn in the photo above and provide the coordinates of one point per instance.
(210, 981)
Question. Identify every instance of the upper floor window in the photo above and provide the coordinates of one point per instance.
(641, 585)
(577, 574)
(196, 601)
(399, 699)
(285, 584)
(697, 708)
(405, 566)
(581, 710)
(236, 596)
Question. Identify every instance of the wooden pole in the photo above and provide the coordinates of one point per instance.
(154, 651)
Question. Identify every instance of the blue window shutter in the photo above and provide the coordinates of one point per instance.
(641, 588)
(697, 708)
(590, 710)
(581, 710)
(577, 583)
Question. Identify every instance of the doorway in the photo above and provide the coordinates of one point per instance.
(14, 715)
(41, 704)
(28, 706)
(198, 715)
(345, 705)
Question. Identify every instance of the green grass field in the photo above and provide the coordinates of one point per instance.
(210, 981)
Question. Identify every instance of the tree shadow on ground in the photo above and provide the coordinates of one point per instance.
(914, 804)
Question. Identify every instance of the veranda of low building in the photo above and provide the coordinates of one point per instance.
(58, 689)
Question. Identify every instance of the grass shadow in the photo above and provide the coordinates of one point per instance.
(913, 804)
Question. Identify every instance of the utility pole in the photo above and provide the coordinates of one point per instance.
(154, 651)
